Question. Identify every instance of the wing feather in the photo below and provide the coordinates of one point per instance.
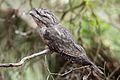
(61, 41)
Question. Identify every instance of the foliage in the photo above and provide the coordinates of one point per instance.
(93, 23)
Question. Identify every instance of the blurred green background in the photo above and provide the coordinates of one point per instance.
(95, 24)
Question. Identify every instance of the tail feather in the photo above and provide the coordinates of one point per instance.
(97, 72)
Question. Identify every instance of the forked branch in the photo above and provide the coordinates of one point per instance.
(22, 61)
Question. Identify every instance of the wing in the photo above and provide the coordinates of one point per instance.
(61, 41)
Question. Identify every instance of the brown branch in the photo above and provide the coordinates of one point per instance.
(66, 73)
(30, 3)
(22, 61)
(118, 78)
(73, 8)
(113, 72)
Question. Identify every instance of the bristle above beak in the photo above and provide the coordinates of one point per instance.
(31, 12)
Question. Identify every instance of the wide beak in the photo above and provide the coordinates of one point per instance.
(36, 16)
(32, 12)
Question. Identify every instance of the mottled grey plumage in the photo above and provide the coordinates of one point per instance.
(59, 40)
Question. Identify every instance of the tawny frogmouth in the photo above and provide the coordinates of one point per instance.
(58, 39)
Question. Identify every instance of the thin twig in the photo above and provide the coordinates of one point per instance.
(118, 77)
(69, 71)
(24, 59)
(62, 69)
(113, 72)
(46, 65)
(86, 77)
(48, 77)
(73, 8)
(30, 4)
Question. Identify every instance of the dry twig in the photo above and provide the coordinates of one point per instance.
(111, 75)
(58, 74)
(24, 59)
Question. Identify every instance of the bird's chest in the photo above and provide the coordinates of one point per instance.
(42, 32)
(59, 42)
(53, 40)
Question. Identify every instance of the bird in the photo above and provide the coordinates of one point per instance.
(59, 39)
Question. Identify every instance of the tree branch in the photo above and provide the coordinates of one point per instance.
(66, 73)
(73, 8)
(20, 63)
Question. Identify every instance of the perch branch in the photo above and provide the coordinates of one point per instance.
(22, 61)
(69, 71)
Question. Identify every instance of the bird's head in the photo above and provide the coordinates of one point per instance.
(43, 17)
